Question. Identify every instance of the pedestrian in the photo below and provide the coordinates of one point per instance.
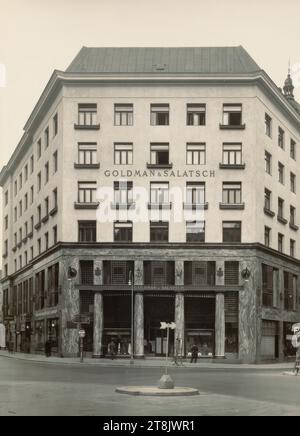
(297, 362)
(112, 349)
(194, 351)
(48, 348)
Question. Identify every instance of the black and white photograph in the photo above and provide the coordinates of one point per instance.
(150, 211)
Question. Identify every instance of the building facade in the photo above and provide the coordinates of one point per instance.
(166, 178)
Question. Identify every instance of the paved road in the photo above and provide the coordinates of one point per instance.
(32, 388)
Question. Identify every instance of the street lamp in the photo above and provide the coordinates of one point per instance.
(131, 283)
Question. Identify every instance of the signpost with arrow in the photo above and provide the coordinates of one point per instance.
(166, 381)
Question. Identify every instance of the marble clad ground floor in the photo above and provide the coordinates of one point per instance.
(236, 301)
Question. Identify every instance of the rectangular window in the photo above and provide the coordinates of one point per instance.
(55, 162)
(55, 125)
(281, 138)
(26, 202)
(87, 153)
(39, 148)
(293, 182)
(290, 283)
(123, 231)
(15, 214)
(232, 193)
(26, 173)
(196, 114)
(123, 154)
(6, 198)
(31, 194)
(195, 154)
(39, 242)
(232, 114)
(159, 193)
(231, 275)
(54, 235)
(159, 231)
(280, 208)
(281, 173)
(46, 172)
(293, 149)
(267, 286)
(159, 154)
(280, 242)
(31, 224)
(232, 231)
(6, 222)
(87, 192)
(39, 181)
(195, 193)
(87, 114)
(46, 137)
(268, 125)
(39, 213)
(46, 241)
(159, 114)
(123, 114)
(20, 181)
(232, 154)
(20, 208)
(31, 164)
(292, 215)
(267, 236)
(268, 163)
(292, 247)
(15, 187)
(86, 272)
(47, 206)
(54, 198)
(87, 231)
(268, 199)
(195, 231)
(123, 192)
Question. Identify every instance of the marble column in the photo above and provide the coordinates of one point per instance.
(69, 308)
(220, 326)
(98, 325)
(179, 320)
(139, 325)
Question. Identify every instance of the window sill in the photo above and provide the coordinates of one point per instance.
(293, 227)
(30, 235)
(269, 212)
(122, 206)
(198, 206)
(78, 166)
(86, 205)
(53, 211)
(86, 127)
(232, 166)
(45, 219)
(159, 167)
(162, 206)
(240, 206)
(38, 225)
(228, 127)
(19, 245)
(14, 249)
(24, 240)
(282, 220)
(4, 255)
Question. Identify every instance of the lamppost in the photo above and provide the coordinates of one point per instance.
(131, 283)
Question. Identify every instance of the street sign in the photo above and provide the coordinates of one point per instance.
(81, 333)
(166, 325)
(82, 319)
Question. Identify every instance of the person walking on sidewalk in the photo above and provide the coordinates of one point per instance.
(194, 351)
(48, 348)
(112, 349)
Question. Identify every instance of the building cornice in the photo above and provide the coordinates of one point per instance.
(60, 79)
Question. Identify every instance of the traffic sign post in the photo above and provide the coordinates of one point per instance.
(166, 381)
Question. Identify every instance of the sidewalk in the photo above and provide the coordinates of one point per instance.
(143, 363)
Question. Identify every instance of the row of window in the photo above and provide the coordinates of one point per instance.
(159, 154)
(280, 242)
(271, 295)
(159, 231)
(280, 210)
(159, 115)
(281, 137)
(281, 172)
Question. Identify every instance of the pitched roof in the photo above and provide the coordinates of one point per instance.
(135, 60)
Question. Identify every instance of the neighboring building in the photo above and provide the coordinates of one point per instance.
(202, 132)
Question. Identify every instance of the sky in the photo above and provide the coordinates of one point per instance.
(38, 36)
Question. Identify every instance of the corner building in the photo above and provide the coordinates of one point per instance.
(201, 132)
